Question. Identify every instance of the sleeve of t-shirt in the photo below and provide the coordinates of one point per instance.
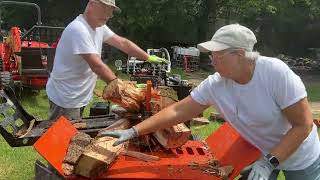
(288, 88)
(107, 33)
(82, 43)
(201, 94)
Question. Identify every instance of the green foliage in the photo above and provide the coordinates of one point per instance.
(283, 26)
(16, 163)
(155, 23)
(288, 26)
(53, 12)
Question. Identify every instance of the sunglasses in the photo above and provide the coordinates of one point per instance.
(217, 57)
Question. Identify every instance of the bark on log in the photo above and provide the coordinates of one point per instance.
(77, 146)
(100, 154)
(97, 157)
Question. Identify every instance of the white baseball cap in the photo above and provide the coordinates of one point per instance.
(111, 3)
(230, 36)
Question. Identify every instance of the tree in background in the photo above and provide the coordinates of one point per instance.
(160, 22)
(286, 26)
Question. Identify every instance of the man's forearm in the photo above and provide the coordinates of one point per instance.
(104, 72)
(97, 66)
(300, 117)
(133, 50)
(163, 119)
(291, 142)
(176, 113)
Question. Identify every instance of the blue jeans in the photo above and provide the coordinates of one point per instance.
(310, 173)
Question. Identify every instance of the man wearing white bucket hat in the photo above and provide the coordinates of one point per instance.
(259, 96)
(78, 61)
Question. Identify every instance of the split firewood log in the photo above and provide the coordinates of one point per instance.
(125, 94)
(77, 146)
(141, 156)
(97, 157)
(100, 154)
(173, 137)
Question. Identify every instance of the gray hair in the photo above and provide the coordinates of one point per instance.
(252, 55)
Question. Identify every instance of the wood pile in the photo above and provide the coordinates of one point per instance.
(89, 157)
(172, 137)
(300, 64)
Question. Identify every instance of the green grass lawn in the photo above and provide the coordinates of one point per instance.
(18, 163)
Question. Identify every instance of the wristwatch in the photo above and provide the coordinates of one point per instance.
(273, 160)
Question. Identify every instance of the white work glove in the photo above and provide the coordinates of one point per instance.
(122, 135)
(261, 169)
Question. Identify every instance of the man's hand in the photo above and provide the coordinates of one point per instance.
(260, 170)
(122, 135)
(156, 59)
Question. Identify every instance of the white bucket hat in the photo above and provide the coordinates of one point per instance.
(230, 36)
(111, 3)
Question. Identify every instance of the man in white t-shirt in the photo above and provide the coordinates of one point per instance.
(78, 61)
(261, 97)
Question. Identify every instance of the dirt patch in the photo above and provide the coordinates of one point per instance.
(310, 78)
(315, 106)
(197, 77)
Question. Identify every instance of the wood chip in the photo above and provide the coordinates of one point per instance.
(225, 171)
(141, 156)
(200, 121)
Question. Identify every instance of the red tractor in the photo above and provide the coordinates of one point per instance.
(26, 59)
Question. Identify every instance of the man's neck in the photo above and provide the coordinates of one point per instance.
(86, 17)
(246, 73)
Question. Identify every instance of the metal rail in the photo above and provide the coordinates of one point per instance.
(23, 4)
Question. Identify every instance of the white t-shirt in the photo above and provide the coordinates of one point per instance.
(254, 109)
(72, 81)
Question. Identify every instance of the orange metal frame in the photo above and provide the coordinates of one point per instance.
(226, 145)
